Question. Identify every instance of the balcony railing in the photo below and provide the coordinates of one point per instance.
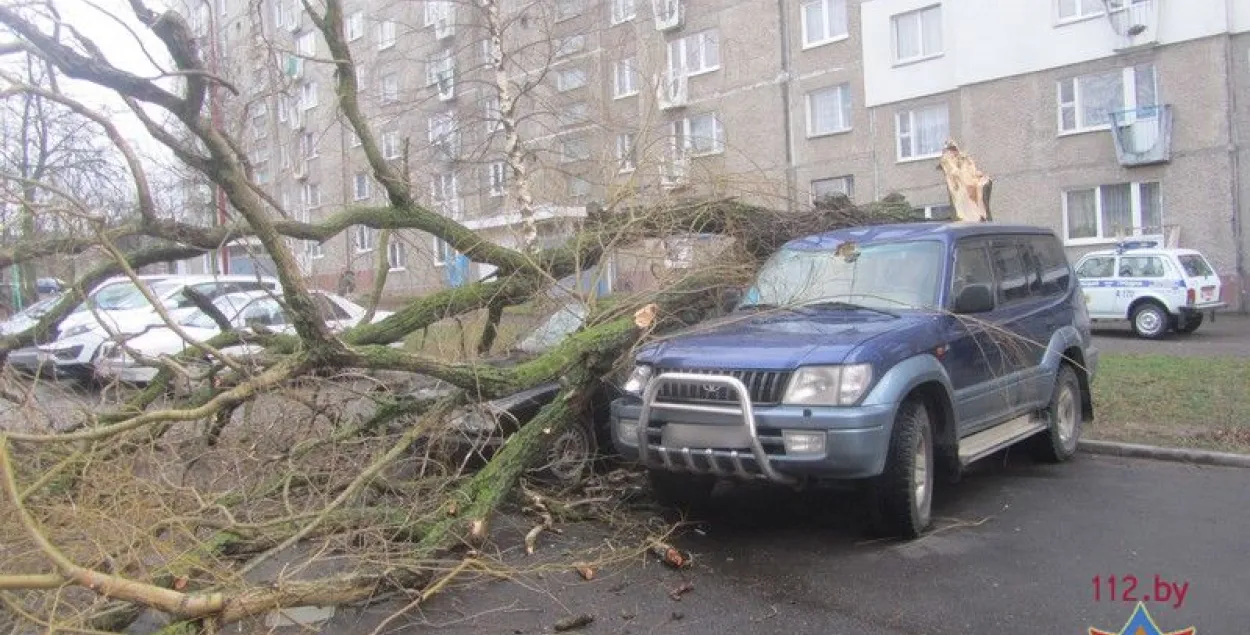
(1135, 23)
(675, 169)
(672, 89)
(668, 14)
(1143, 135)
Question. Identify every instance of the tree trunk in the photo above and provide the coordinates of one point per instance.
(968, 186)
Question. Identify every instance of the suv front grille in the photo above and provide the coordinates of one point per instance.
(765, 386)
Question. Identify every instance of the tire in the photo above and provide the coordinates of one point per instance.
(904, 491)
(1150, 321)
(680, 490)
(1191, 324)
(570, 457)
(1064, 419)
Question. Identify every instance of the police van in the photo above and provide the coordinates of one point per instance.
(1157, 289)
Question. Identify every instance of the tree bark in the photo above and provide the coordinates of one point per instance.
(968, 186)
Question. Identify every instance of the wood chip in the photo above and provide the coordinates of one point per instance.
(573, 622)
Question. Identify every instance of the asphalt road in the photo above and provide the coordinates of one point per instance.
(1018, 549)
(1229, 335)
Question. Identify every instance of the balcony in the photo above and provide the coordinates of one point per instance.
(668, 14)
(443, 26)
(675, 169)
(1135, 23)
(446, 85)
(672, 89)
(1143, 136)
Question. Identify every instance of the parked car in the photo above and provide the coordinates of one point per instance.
(244, 310)
(121, 306)
(878, 355)
(1157, 289)
(26, 359)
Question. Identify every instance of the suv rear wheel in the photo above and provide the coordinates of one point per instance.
(1150, 320)
(1064, 419)
(904, 491)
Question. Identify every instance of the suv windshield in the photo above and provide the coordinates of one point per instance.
(890, 276)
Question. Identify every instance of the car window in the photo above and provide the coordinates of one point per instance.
(972, 266)
(1097, 267)
(264, 311)
(1010, 272)
(329, 309)
(1195, 266)
(1052, 263)
(1141, 267)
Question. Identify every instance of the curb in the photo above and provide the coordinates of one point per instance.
(1199, 457)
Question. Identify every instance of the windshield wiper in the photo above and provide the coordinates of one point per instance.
(842, 304)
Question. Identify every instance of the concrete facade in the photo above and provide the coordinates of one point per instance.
(788, 99)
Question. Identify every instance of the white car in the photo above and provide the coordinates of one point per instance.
(121, 306)
(1157, 289)
(243, 310)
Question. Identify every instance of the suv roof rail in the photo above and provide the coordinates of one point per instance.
(1126, 245)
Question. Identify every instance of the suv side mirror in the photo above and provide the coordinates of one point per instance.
(974, 298)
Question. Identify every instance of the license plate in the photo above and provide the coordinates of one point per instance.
(691, 435)
(1208, 293)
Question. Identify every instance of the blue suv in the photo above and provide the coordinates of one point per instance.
(882, 355)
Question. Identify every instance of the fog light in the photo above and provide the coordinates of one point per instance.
(797, 442)
(627, 431)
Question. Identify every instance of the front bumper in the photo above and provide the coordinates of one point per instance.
(750, 442)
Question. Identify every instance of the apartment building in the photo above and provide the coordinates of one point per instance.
(1100, 118)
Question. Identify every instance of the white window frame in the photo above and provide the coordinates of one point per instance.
(308, 95)
(361, 77)
(354, 26)
(624, 10)
(306, 45)
(928, 50)
(361, 186)
(847, 181)
(1102, 236)
(707, 42)
(390, 88)
(1080, 15)
(497, 178)
(308, 145)
(570, 45)
(1128, 89)
(492, 114)
(365, 239)
(442, 252)
(910, 114)
(386, 34)
(444, 130)
(396, 254)
(841, 94)
(626, 152)
(565, 84)
(624, 78)
(445, 192)
(390, 145)
(831, 33)
(310, 195)
(681, 131)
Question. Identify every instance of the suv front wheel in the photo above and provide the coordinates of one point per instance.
(904, 491)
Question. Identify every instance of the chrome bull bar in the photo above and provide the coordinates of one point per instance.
(713, 457)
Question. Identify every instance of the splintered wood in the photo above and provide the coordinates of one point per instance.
(968, 186)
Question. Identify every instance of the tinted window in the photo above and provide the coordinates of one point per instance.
(1011, 272)
(972, 266)
(1141, 267)
(1195, 266)
(1100, 267)
(1052, 263)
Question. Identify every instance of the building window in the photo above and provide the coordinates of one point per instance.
(355, 26)
(390, 145)
(576, 113)
(701, 135)
(390, 88)
(570, 79)
(825, 188)
(917, 34)
(1070, 10)
(578, 187)
(941, 211)
(308, 95)
(625, 78)
(1104, 212)
(443, 193)
(443, 253)
(922, 133)
(364, 239)
(307, 44)
(1087, 101)
(492, 115)
(623, 10)
(386, 34)
(696, 53)
(444, 133)
(395, 254)
(824, 21)
(498, 178)
(570, 45)
(574, 150)
(626, 157)
(308, 145)
(311, 196)
(829, 110)
(360, 186)
(567, 9)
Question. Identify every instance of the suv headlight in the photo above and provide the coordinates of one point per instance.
(828, 385)
(638, 379)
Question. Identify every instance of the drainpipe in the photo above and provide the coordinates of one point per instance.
(791, 172)
(1234, 161)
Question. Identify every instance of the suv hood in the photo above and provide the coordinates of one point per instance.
(774, 341)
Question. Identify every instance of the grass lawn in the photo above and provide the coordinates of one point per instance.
(1192, 402)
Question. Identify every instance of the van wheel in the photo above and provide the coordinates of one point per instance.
(1064, 420)
(681, 490)
(1150, 321)
(904, 491)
